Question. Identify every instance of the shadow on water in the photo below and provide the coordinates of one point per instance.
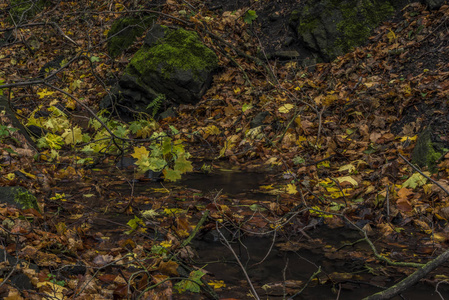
(231, 183)
(269, 268)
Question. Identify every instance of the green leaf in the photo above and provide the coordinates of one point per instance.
(121, 131)
(246, 107)
(172, 175)
(94, 59)
(174, 130)
(297, 160)
(416, 180)
(50, 140)
(192, 285)
(135, 126)
(249, 16)
(157, 164)
(183, 165)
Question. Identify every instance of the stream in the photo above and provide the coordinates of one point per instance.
(289, 258)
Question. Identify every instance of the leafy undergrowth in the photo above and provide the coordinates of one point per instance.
(331, 135)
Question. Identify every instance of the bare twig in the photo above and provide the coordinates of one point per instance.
(315, 274)
(239, 262)
(420, 172)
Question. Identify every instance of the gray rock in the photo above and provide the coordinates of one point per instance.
(331, 28)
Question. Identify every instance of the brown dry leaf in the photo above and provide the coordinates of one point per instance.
(404, 205)
(28, 252)
(423, 226)
(374, 136)
(444, 212)
(169, 268)
(46, 259)
(404, 194)
(102, 260)
(13, 294)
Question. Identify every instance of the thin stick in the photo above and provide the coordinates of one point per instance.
(419, 171)
(307, 283)
(239, 262)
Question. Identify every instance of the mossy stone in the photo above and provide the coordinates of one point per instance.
(179, 49)
(19, 197)
(124, 32)
(426, 152)
(24, 10)
(334, 27)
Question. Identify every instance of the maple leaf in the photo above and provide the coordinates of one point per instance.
(211, 130)
(140, 153)
(193, 284)
(50, 140)
(44, 93)
(183, 165)
(135, 224)
(166, 244)
(291, 189)
(416, 180)
(74, 136)
(171, 174)
(156, 164)
(250, 16)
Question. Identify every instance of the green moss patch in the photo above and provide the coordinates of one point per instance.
(24, 10)
(335, 27)
(19, 197)
(179, 49)
(426, 152)
(358, 23)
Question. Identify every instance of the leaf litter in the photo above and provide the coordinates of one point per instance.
(337, 130)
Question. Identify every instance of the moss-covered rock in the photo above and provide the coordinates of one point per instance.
(427, 151)
(22, 11)
(18, 196)
(124, 32)
(177, 50)
(174, 63)
(333, 27)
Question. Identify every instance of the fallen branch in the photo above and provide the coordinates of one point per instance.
(410, 280)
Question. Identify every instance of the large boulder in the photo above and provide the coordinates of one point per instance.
(173, 67)
(331, 28)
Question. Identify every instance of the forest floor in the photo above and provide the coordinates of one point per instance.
(323, 169)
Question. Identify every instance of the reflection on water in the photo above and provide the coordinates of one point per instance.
(233, 183)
